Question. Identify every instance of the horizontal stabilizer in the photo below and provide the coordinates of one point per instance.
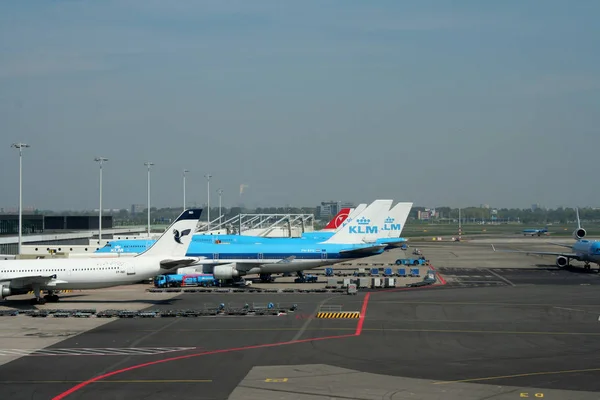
(361, 251)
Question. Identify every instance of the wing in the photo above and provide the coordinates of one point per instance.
(27, 281)
(562, 245)
(542, 253)
(177, 263)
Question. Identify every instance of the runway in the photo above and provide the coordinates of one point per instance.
(450, 341)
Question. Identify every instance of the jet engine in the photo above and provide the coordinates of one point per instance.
(227, 271)
(579, 233)
(562, 261)
(4, 292)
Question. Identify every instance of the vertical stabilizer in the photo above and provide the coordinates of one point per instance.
(337, 221)
(365, 227)
(175, 240)
(355, 213)
(396, 219)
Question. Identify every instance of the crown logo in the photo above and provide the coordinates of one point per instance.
(363, 221)
(389, 220)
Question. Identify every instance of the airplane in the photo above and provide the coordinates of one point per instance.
(587, 251)
(533, 232)
(357, 239)
(166, 254)
(130, 247)
(393, 224)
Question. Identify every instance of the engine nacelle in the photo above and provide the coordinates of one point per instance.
(227, 271)
(4, 291)
(579, 234)
(562, 261)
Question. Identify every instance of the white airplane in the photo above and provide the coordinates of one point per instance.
(166, 254)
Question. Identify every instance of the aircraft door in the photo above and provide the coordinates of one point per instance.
(130, 267)
(215, 256)
(324, 254)
(260, 256)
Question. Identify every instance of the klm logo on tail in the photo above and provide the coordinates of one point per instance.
(388, 225)
(363, 227)
(178, 236)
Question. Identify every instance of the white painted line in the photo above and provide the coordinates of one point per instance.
(501, 277)
(126, 351)
(570, 309)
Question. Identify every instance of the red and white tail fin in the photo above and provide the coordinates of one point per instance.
(336, 222)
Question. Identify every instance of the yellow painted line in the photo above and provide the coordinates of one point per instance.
(121, 381)
(489, 378)
(347, 314)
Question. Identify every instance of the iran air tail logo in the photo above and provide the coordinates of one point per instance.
(177, 236)
(363, 226)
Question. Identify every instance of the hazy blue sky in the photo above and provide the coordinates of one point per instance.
(437, 102)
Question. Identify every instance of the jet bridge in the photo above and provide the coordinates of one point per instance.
(266, 225)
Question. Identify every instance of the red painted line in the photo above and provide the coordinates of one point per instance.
(358, 332)
(438, 275)
(363, 312)
(204, 353)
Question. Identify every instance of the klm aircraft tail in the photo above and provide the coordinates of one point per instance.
(353, 215)
(365, 228)
(398, 215)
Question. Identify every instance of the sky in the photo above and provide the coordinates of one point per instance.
(435, 102)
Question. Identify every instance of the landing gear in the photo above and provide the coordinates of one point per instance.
(38, 296)
(51, 297)
(266, 278)
(587, 266)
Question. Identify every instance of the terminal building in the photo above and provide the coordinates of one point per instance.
(329, 209)
(40, 231)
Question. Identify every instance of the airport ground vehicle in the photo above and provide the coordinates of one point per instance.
(178, 280)
(411, 261)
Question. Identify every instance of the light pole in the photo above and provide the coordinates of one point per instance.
(20, 146)
(101, 161)
(220, 191)
(208, 176)
(148, 164)
(184, 172)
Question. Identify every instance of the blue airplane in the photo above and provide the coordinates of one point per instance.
(393, 225)
(356, 239)
(586, 251)
(533, 232)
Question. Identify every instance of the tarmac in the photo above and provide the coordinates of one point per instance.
(491, 327)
